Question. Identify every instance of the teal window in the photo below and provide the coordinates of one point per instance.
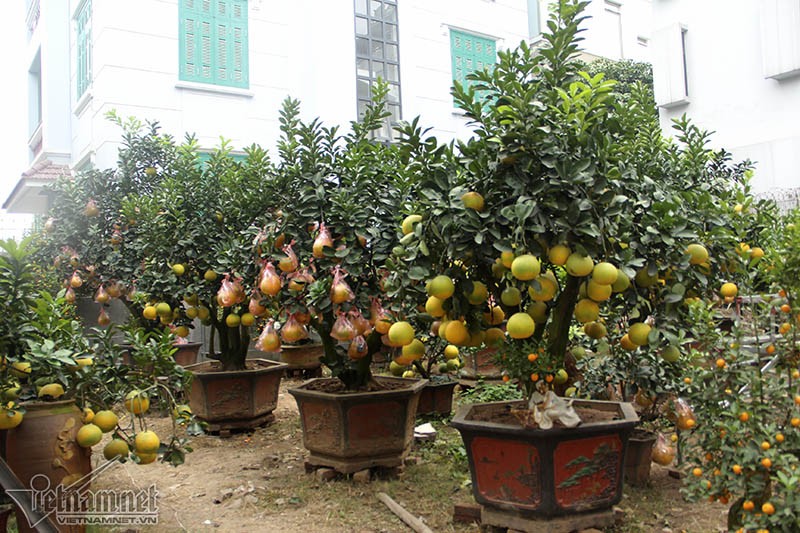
(470, 53)
(213, 42)
(83, 17)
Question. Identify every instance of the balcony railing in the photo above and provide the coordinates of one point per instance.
(32, 17)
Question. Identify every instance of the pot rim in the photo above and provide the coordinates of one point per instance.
(416, 386)
(461, 422)
(268, 366)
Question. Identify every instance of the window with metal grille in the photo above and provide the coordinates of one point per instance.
(377, 56)
(470, 53)
(213, 42)
(83, 19)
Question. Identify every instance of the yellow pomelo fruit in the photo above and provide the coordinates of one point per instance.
(396, 369)
(638, 333)
(54, 390)
(433, 306)
(191, 313)
(494, 336)
(442, 287)
(560, 377)
(233, 320)
(559, 254)
(88, 435)
(146, 458)
(409, 374)
(479, 293)
(116, 448)
(627, 344)
(203, 313)
(604, 273)
(698, 254)
(210, 275)
(645, 280)
(579, 265)
(495, 316)
(622, 283)
(526, 267)
(248, 319)
(511, 297)
(182, 331)
(10, 418)
(756, 252)
(520, 326)
(507, 259)
(105, 420)
(538, 311)
(146, 442)
(498, 270)
(401, 333)
(137, 402)
(671, 353)
(450, 351)
(473, 200)
(150, 312)
(415, 349)
(443, 329)
(21, 369)
(598, 292)
(178, 269)
(457, 333)
(408, 223)
(586, 310)
(729, 290)
(87, 416)
(595, 330)
(163, 309)
(476, 339)
(544, 288)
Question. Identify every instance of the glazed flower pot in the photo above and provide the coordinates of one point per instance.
(44, 445)
(352, 431)
(242, 399)
(302, 356)
(436, 398)
(545, 473)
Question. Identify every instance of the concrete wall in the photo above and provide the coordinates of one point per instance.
(729, 45)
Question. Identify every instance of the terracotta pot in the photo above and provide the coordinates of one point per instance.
(302, 356)
(185, 355)
(543, 473)
(352, 431)
(44, 445)
(638, 457)
(242, 399)
(436, 398)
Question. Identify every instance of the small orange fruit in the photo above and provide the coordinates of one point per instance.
(765, 446)
(744, 416)
(786, 308)
(532, 357)
(697, 472)
(768, 508)
(748, 505)
(534, 377)
(770, 349)
(779, 438)
(766, 462)
(736, 469)
(720, 363)
(795, 422)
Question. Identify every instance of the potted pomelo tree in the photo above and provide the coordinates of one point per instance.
(50, 370)
(323, 266)
(178, 232)
(557, 205)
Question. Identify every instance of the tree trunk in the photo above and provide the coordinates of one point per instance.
(561, 318)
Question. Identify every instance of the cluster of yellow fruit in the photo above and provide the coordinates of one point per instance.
(145, 443)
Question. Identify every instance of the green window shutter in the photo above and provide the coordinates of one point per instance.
(469, 53)
(84, 47)
(213, 42)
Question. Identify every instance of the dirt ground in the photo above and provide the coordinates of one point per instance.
(257, 482)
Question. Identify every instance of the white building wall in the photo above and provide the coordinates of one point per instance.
(304, 49)
(752, 116)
